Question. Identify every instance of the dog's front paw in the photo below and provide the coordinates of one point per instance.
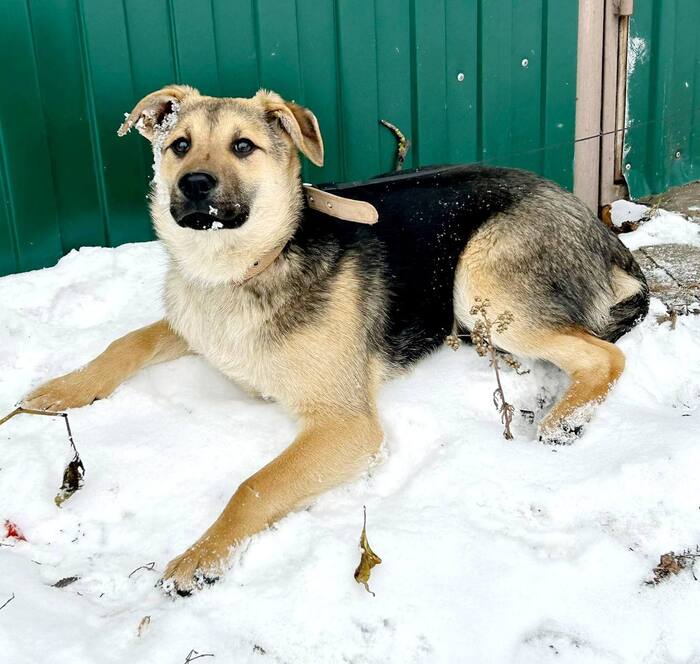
(200, 565)
(70, 391)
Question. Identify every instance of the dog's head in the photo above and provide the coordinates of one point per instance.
(226, 186)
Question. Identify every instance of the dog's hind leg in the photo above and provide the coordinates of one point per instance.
(331, 448)
(121, 360)
(593, 365)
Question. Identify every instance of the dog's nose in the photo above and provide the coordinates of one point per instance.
(196, 186)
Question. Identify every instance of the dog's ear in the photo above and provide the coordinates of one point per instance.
(153, 108)
(299, 122)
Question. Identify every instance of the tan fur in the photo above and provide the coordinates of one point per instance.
(329, 450)
(214, 258)
(592, 364)
(121, 360)
(624, 285)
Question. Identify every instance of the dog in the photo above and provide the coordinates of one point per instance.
(291, 302)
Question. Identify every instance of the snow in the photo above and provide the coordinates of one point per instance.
(160, 135)
(622, 211)
(493, 551)
(662, 228)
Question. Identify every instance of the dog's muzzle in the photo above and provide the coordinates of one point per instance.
(210, 221)
(199, 209)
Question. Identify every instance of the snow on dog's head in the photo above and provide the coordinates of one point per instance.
(228, 166)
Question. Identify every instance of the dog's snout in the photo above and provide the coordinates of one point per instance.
(196, 186)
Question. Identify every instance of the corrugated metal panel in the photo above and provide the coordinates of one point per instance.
(662, 145)
(72, 67)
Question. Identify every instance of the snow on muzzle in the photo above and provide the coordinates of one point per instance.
(200, 220)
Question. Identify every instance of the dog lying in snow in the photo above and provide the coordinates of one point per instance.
(272, 284)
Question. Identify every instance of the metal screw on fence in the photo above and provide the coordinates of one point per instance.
(525, 62)
(460, 77)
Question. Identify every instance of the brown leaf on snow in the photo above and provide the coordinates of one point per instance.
(368, 560)
(669, 563)
(72, 480)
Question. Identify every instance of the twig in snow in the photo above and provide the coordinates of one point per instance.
(48, 413)
(195, 655)
(7, 602)
(75, 470)
(149, 566)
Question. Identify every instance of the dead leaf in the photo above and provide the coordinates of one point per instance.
(368, 560)
(62, 583)
(669, 563)
(72, 480)
(606, 216)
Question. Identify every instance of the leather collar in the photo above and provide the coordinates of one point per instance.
(339, 207)
(347, 209)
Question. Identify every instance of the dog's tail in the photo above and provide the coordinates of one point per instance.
(630, 310)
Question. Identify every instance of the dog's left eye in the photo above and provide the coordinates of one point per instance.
(243, 146)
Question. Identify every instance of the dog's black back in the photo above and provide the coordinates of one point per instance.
(426, 217)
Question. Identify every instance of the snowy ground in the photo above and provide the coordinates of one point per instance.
(493, 551)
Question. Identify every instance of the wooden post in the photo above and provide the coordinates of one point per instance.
(589, 95)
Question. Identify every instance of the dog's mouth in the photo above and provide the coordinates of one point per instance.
(212, 221)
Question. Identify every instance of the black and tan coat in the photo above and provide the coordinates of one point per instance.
(316, 312)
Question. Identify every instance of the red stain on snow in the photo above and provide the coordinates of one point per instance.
(12, 530)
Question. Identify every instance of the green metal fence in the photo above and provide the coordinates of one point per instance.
(662, 145)
(466, 80)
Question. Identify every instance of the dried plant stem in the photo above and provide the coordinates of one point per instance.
(483, 344)
(499, 397)
(75, 470)
(7, 602)
(193, 654)
(48, 413)
(149, 566)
